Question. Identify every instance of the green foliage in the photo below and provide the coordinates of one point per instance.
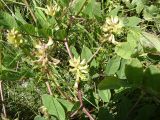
(104, 114)
(109, 83)
(112, 66)
(39, 118)
(86, 53)
(134, 72)
(53, 106)
(151, 80)
(105, 95)
(133, 21)
(7, 20)
(125, 50)
(97, 59)
(78, 4)
(150, 42)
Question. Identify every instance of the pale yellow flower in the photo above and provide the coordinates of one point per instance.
(79, 68)
(41, 52)
(112, 39)
(14, 37)
(112, 25)
(51, 10)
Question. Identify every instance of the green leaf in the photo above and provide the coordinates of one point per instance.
(147, 15)
(90, 35)
(128, 4)
(60, 34)
(115, 11)
(139, 8)
(133, 21)
(45, 32)
(52, 21)
(134, 71)
(41, 18)
(29, 29)
(121, 72)
(86, 53)
(150, 42)
(38, 117)
(146, 112)
(125, 50)
(74, 51)
(53, 106)
(154, 10)
(150, 13)
(7, 20)
(109, 83)
(77, 5)
(3, 68)
(123, 108)
(68, 105)
(97, 9)
(89, 8)
(112, 65)
(19, 16)
(139, 5)
(104, 114)
(92, 8)
(76, 106)
(133, 38)
(152, 78)
(105, 95)
(53, 118)
(64, 3)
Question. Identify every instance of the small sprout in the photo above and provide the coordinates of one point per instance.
(14, 37)
(51, 10)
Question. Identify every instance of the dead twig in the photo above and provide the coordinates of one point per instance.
(82, 105)
(2, 99)
(68, 49)
(49, 88)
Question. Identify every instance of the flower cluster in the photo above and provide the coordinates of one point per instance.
(14, 37)
(112, 26)
(41, 53)
(79, 69)
(51, 10)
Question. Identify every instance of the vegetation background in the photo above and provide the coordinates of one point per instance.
(80, 59)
